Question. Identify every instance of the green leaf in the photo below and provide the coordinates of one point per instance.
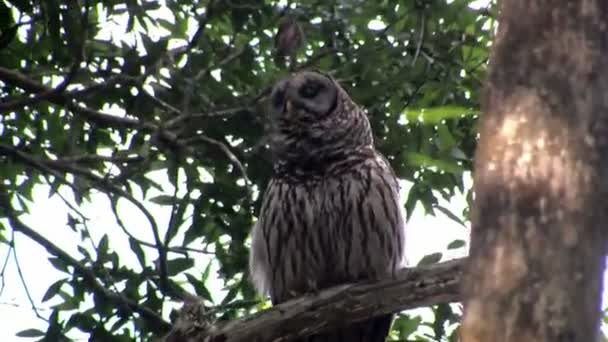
(230, 295)
(24, 6)
(59, 264)
(446, 141)
(54, 23)
(406, 326)
(177, 266)
(30, 333)
(199, 287)
(53, 290)
(422, 160)
(7, 36)
(450, 214)
(102, 246)
(163, 200)
(437, 114)
(139, 252)
(430, 259)
(206, 272)
(456, 244)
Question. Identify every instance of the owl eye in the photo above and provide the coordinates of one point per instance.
(310, 89)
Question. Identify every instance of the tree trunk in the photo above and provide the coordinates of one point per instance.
(541, 185)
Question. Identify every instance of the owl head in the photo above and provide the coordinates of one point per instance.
(314, 119)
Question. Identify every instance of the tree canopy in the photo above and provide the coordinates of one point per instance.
(160, 105)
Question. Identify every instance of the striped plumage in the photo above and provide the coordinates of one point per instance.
(331, 212)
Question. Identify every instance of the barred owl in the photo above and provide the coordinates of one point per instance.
(331, 212)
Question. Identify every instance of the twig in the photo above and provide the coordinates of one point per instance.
(212, 113)
(24, 283)
(17, 79)
(228, 154)
(315, 58)
(4, 265)
(95, 157)
(228, 59)
(421, 39)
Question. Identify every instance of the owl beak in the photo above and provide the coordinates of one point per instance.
(289, 106)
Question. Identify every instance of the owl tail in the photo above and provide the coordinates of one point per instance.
(373, 330)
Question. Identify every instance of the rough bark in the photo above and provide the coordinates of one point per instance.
(410, 288)
(541, 205)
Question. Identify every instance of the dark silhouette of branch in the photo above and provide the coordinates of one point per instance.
(309, 314)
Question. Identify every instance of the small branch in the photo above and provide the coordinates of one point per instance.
(4, 265)
(228, 154)
(410, 288)
(87, 158)
(212, 113)
(22, 81)
(227, 60)
(421, 39)
(315, 58)
(24, 283)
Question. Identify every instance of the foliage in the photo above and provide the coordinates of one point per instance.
(160, 104)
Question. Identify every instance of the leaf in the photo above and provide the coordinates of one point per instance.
(422, 160)
(6, 18)
(58, 264)
(53, 290)
(177, 266)
(30, 333)
(7, 36)
(230, 295)
(54, 23)
(446, 141)
(430, 259)
(82, 321)
(24, 6)
(206, 272)
(447, 212)
(139, 252)
(456, 244)
(406, 326)
(199, 287)
(163, 200)
(102, 246)
(437, 114)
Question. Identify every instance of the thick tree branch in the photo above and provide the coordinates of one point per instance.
(410, 288)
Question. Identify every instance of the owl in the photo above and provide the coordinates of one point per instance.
(331, 212)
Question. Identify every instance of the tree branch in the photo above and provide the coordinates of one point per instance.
(410, 288)
(22, 81)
